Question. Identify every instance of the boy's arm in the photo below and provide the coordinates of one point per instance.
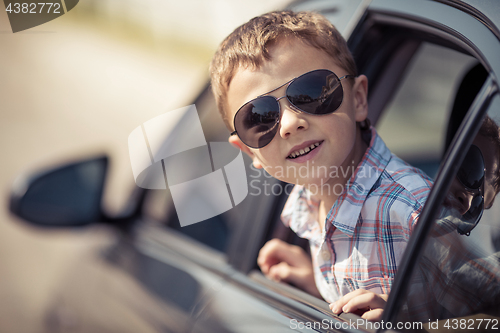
(281, 261)
(365, 303)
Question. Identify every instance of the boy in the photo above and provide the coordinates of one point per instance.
(287, 88)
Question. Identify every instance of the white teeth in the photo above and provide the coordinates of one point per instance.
(304, 151)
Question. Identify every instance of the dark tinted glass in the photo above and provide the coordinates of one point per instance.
(256, 122)
(317, 92)
(471, 172)
(472, 216)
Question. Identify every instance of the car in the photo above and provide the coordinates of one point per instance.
(433, 68)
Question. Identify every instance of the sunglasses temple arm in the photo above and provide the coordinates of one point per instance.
(348, 76)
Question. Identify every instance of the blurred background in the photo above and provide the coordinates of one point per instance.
(77, 86)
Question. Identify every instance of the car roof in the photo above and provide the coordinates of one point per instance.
(487, 11)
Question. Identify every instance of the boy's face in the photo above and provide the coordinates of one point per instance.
(335, 133)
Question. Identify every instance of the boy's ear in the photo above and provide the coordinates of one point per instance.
(360, 97)
(236, 142)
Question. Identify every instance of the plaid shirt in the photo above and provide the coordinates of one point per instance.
(368, 227)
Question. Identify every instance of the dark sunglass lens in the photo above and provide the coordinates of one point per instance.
(471, 172)
(316, 92)
(472, 216)
(256, 122)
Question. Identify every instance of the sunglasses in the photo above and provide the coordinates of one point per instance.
(471, 176)
(317, 92)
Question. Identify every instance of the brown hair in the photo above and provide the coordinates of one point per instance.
(248, 46)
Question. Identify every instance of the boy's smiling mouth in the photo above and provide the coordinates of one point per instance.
(298, 152)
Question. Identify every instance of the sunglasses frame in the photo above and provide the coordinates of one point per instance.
(277, 99)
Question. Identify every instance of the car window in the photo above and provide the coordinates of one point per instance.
(414, 123)
(455, 283)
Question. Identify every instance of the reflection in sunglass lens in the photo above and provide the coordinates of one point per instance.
(471, 172)
(472, 216)
(475, 209)
(317, 92)
(256, 122)
(471, 175)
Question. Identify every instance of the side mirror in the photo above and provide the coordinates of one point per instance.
(66, 196)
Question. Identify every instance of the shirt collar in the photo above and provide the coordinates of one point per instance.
(345, 211)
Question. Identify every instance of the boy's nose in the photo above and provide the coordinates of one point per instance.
(292, 120)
